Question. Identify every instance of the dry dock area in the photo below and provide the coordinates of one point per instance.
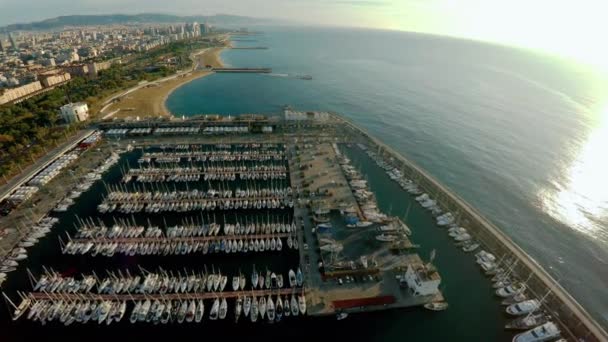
(347, 269)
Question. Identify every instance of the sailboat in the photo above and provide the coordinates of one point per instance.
(294, 305)
(210, 281)
(247, 306)
(200, 311)
(268, 279)
(190, 312)
(292, 278)
(279, 308)
(238, 308)
(242, 281)
(254, 278)
(181, 314)
(254, 309)
(287, 309)
(270, 309)
(280, 281)
(299, 277)
(279, 244)
(19, 310)
(273, 280)
(213, 314)
(235, 283)
(216, 281)
(262, 306)
(223, 308)
(302, 304)
(134, 313)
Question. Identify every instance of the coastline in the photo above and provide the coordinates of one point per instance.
(149, 99)
(210, 57)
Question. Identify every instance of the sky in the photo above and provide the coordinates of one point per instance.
(568, 28)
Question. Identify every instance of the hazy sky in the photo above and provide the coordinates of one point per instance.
(567, 27)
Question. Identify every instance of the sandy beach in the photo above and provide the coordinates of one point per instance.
(149, 100)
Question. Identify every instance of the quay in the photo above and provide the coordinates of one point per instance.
(250, 48)
(243, 70)
(564, 309)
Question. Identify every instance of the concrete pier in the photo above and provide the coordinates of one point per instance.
(244, 70)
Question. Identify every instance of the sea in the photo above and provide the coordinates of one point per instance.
(518, 134)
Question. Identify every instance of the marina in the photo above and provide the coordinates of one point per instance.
(203, 211)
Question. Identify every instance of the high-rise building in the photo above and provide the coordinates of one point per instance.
(13, 42)
(1, 45)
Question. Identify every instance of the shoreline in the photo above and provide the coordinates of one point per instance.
(211, 57)
(149, 100)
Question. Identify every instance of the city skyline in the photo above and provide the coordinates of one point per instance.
(542, 25)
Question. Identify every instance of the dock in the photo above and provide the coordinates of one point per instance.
(167, 296)
(243, 70)
(182, 239)
(250, 48)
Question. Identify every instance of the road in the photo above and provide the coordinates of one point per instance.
(41, 163)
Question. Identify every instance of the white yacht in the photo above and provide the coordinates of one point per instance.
(523, 308)
(545, 332)
(511, 290)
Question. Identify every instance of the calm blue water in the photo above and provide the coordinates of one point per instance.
(519, 135)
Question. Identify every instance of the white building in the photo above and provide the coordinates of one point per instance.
(75, 112)
(421, 280)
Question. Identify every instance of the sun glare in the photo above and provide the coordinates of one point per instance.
(582, 201)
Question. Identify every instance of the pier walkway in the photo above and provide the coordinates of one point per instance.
(200, 201)
(244, 70)
(166, 296)
(182, 239)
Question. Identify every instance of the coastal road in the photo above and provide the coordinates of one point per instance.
(41, 163)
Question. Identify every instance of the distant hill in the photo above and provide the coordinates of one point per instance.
(92, 20)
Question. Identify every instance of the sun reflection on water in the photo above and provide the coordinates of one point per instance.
(581, 201)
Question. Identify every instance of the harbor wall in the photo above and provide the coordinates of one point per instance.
(575, 322)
